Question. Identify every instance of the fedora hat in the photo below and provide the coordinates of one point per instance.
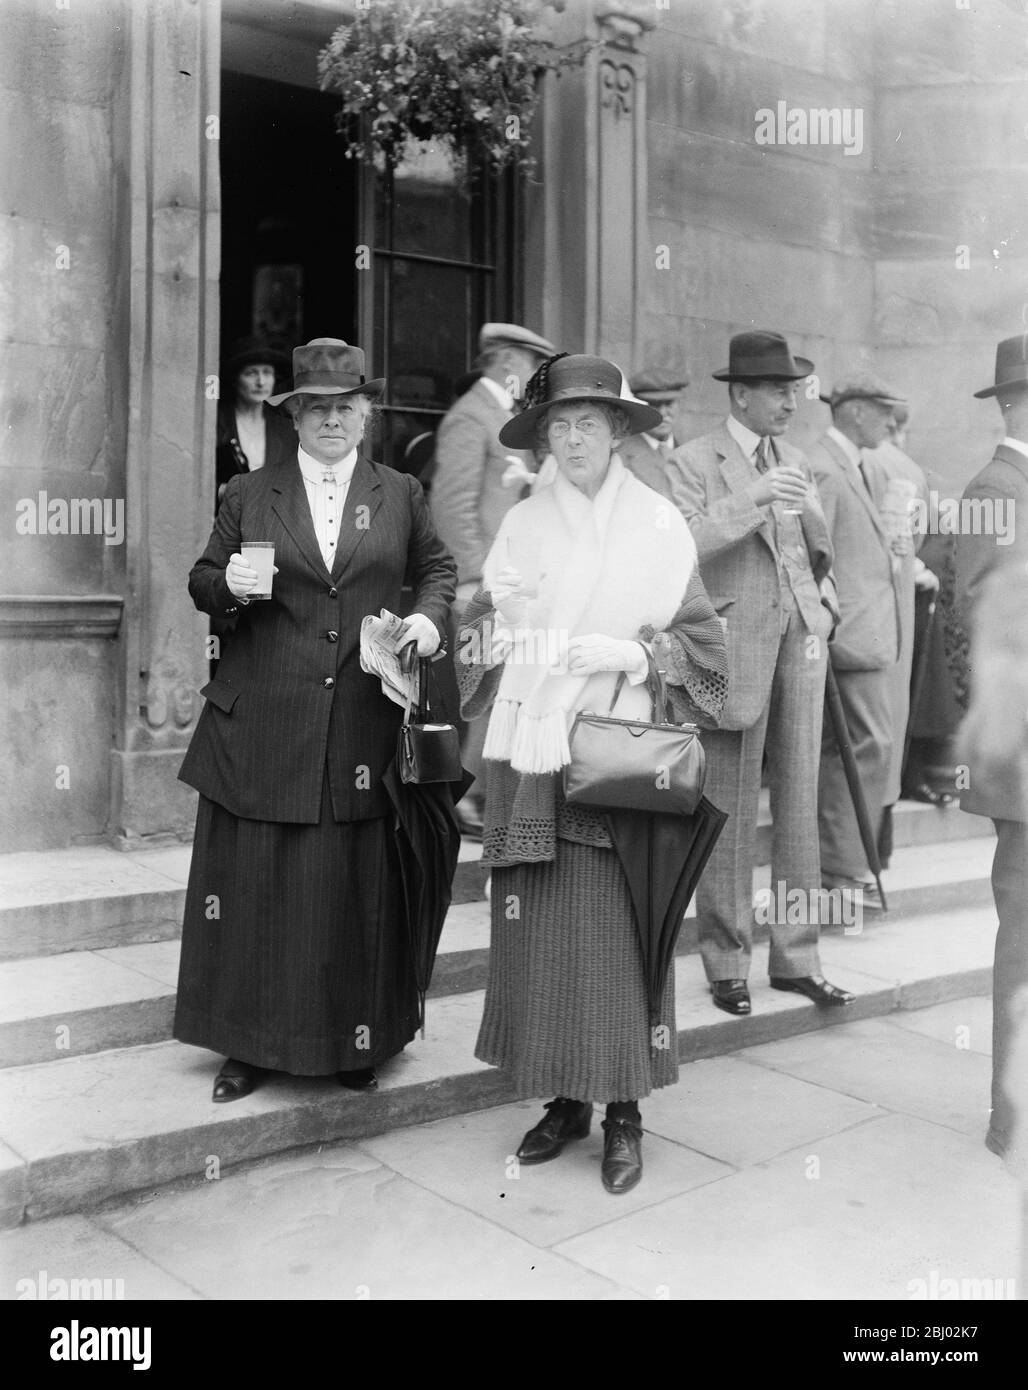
(862, 386)
(329, 367)
(762, 355)
(578, 378)
(253, 352)
(1011, 365)
(656, 386)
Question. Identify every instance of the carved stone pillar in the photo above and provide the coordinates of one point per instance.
(169, 239)
(587, 240)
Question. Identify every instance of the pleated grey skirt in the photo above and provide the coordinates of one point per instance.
(294, 951)
(565, 1005)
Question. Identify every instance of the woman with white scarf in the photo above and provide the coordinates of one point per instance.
(582, 578)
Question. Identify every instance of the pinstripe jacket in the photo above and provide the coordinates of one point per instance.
(290, 694)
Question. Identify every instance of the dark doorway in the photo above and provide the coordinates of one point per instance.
(289, 215)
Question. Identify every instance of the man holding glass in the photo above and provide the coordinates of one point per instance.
(765, 560)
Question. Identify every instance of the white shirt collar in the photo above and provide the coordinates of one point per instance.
(312, 470)
(846, 445)
(500, 393)
(1010, 443)
(743, 436)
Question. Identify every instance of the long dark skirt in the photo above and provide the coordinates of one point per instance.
(294, 953)
(565, 1004)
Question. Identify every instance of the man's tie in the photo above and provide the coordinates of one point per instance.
(760, 456)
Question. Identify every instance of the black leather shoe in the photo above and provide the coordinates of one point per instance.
(815, 987)
(564, 1120)
(235, 1080)
(731, 995)
(362, 1080)
(622, 1155)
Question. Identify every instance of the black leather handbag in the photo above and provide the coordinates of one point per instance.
(632, 765)
(428, 751)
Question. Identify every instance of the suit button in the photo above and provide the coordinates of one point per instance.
(774, 603)
(332, 636)
(328, 682)
(333, 593)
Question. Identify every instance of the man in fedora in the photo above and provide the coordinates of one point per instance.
(993, 550)
(474, 486)
(866, 648)
(765, 559)
(646, 455)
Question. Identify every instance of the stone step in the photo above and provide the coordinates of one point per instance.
(91, 1001)
(97, 898)
(81, 1130)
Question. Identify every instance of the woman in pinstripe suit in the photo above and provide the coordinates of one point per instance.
(293, 949)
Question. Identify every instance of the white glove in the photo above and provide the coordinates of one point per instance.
(516, 474)
(422, 630)
(240, 578)
(594, 652)
(509, 598)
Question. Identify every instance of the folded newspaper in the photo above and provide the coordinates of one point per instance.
(381, 641)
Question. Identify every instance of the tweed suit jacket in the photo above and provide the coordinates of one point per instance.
(868, 635)
(1003, 480)
(290, 694)
(468, 497)
(710, 478)
(647, 464)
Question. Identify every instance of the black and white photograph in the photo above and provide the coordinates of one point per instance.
(514, 632)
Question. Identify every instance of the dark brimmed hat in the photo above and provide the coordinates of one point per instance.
(656, 385)
(1011, 365)
(578, 378)
(253, 352)
(862, 386)
(762, 355)
(329, 367)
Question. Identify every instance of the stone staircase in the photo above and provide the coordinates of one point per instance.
(97, 1101)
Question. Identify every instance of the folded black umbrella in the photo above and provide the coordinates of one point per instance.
(663, 857)
(427, 842)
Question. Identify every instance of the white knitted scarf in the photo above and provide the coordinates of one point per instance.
(606, 565)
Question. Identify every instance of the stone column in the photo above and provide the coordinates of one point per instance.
(166, 158)
(587, 245)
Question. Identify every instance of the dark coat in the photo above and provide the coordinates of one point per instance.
(984, 550)
(279, 446)
(290, 693)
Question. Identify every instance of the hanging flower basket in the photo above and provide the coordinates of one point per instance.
(464, 73)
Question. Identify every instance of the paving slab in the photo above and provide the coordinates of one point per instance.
(868, 1213)
(476, 1167)
(742, 1114)
(338, 1226)
(894, 1068)
(158, 960)
(958, 1023)
(75, 1257)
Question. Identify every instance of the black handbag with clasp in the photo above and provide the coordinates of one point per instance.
(632, 765)
(428, 751)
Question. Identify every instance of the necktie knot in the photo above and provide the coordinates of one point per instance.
(328, 476)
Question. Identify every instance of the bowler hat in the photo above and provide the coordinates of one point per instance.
(657, 385)
(584, 379)
(862, 386)
(762, 355)
(253, 352)
(329, 367)
(496, 335)
(1011, 365)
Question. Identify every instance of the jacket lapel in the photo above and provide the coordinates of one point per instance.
(856, 484)
(737, 471)
(291, 507)
(363, 499)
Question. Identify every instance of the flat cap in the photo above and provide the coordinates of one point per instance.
(862, 386)
(657, 385)
(494, 335)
